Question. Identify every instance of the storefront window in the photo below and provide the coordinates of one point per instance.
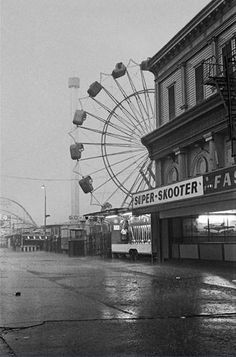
(212, 227)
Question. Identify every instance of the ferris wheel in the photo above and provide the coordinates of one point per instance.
(116, 113)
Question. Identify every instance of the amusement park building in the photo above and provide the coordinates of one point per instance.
(193, 207)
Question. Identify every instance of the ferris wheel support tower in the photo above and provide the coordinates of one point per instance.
(74, 85)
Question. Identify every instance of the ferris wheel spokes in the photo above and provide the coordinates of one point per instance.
(119, 111)
(113, 154)
(117, 136)
(114, 175)
(147, 95)
(115, 126)
(120, 71)
(147, 174)
(136, 185)
(140, 104)
(103, 169)
(136, 113)
(123, 109)
(114, 179)
(117, 116)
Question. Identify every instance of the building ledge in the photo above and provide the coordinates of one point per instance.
(187, 128)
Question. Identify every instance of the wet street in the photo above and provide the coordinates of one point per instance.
(54, 305)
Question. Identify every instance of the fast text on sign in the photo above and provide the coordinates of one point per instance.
(220, 180)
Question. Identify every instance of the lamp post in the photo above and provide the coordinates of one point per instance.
(45, 209)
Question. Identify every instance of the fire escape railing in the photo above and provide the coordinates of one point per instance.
(221, 73)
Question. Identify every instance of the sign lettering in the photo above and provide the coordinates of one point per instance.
(220, 180)
(178, 191)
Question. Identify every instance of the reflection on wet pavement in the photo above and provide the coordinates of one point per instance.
(142, 307)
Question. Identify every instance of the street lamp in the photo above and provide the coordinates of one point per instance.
(45, 209)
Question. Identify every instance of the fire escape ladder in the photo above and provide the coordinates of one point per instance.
(223, 78)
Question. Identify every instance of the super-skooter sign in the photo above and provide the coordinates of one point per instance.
(174, 192)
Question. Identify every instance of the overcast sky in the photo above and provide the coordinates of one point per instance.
(43, 43)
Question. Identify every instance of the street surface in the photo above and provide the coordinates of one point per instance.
(55, 305)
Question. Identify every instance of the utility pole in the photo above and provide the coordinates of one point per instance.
(45, 210)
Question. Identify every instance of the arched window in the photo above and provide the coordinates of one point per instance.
(172, 175)
(200, 165)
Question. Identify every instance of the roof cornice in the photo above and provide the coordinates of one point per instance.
(215, 6)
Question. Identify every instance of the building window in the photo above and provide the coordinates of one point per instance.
(199, 83)
(171, 98)
(200, 165)
(212, 227)
(172, 175)
(227, 52)
(229, 159)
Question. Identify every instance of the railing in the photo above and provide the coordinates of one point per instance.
(209, 69)
(218, 67)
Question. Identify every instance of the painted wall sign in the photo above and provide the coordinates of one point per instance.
(220, 180)
(177, 191)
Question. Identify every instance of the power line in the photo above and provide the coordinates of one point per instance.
(36, 179)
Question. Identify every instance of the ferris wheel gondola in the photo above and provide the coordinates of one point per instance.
(112, 163)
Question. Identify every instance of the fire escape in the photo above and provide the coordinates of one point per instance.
(220, 73)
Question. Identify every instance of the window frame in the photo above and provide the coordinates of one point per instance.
(227, 50)
(171, 100)
(199, 85)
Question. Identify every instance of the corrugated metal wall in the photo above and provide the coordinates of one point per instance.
(190, 76)
(164, 102)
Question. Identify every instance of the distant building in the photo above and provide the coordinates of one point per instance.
(193, 207)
